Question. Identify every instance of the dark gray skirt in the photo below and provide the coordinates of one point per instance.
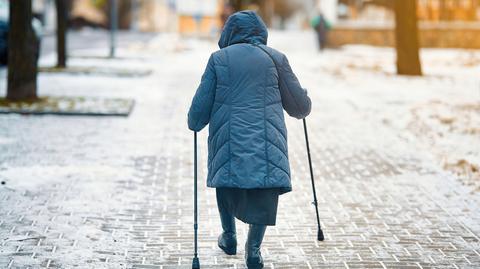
(252, 206)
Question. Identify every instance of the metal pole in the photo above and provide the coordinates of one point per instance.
(113, 26)
(196, 261)
(320, 236)
(134, 6)
(270, 11)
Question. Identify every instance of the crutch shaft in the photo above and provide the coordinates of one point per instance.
(195, 225)
(195, 262)
(320, 236)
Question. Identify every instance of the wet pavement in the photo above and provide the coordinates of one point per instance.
(96, 192)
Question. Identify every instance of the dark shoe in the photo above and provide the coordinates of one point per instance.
(228, 243)
(255, 262)
(253, 256)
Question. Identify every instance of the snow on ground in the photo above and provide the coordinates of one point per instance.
(440, 111)
(438, 114)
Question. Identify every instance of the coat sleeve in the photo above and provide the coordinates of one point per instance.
(199, 113)
(294, 98)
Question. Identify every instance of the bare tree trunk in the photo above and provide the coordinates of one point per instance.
(237, 5)
(407, 41)
(124, 13)
(62, 12)
(269, 11)
(443, 11)
(472, 11)
(22, 52)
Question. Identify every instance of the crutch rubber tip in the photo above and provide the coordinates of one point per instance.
(320, 236)
(196, 263)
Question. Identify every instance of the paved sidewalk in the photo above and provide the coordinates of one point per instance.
(117, 193)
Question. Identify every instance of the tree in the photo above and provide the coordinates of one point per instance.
(406, 35)
(22, 52)
(284, 9)
(269, 8)
(61, 6)
(237, 4)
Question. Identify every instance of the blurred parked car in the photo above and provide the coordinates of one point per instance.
(4, 28)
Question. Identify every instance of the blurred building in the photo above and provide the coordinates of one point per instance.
(199, 16)
(185, 16)
(189, 17)
(428, 10)
(89, 11)
(442, 23)
(449, 10)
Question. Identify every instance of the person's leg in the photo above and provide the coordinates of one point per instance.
(319, 40)
(324, 39)
(227, 241)
(253, 256)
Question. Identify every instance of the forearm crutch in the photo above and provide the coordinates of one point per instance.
(320, 236)
(196, 261)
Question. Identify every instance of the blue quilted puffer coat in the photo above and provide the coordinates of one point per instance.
(242, 97)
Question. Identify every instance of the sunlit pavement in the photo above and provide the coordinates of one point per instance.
(100, 192)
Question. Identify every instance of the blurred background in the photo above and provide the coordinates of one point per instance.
(440, 20)
(184, 15)
(438, 23)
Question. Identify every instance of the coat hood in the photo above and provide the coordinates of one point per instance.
(243, 27)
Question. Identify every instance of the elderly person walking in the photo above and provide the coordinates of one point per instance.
(242, 94)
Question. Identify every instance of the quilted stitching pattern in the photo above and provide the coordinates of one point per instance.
(247, 141)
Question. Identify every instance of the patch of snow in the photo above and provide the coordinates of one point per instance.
(36, 176)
